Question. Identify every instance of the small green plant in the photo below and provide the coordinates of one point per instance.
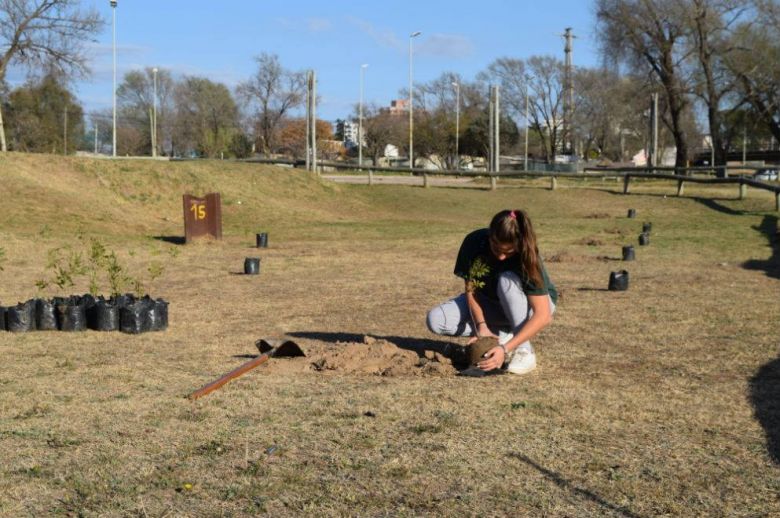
(2, 258)
(154, 271)
(65, 265)
(97, 261)
(116, 273)
(45, 231)
(478, 270)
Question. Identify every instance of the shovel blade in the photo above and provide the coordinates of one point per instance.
(279, 348)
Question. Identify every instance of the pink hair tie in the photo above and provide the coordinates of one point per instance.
(513, 215)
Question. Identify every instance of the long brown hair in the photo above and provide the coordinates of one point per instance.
(514, 226)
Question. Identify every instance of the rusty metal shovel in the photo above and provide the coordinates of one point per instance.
(268, 349)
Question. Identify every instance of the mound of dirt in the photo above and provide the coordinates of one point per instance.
(371, 357)
(567, 257)
(591, 241)
(598, 215)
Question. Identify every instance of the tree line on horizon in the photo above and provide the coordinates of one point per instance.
(712, 62)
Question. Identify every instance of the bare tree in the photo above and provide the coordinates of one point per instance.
(271, 94)
(206, 116)
(36, 32)
(541, 77)
(755, 51)
(135, 97)
(711, 23)
(609, 116)
(649, 35)
(381, 128)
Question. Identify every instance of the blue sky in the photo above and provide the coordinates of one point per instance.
(218, 39)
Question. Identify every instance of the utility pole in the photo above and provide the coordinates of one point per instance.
(360, 121)
(154, 116)
(568, 98)
(527, 126)
(411, 103)
(457, 124)
(311, 119)
(96, 138)
(113, 93)
(654, 131)
(491, 122)
(494, 132)
(744, 145)
(65, 132)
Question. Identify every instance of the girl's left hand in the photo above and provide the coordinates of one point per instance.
(494, 359)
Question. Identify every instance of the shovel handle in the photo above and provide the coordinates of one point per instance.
(238, 371)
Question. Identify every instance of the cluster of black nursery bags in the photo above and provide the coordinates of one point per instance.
(124, 313)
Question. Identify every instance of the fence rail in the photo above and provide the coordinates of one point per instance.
(681, 175)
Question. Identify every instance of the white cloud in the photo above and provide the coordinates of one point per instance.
(437, 44)
(383, 37)
(104, 49)
(308, 24)
(318, 24)
(447, 46)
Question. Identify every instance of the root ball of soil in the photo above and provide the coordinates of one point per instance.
(480, 347)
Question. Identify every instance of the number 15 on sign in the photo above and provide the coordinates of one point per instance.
(198, 210)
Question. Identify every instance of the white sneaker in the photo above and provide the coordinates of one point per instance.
(523, 361)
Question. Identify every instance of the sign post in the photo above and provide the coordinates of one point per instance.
(202, 216)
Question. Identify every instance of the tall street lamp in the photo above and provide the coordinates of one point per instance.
(527, 126)
(457, 123)
(360, 118)
(154, 116)
(113, 137)
(411, 103)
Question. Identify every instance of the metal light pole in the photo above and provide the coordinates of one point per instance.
(457, 123)
(527, 126)
(360, 118)
(411, 103)
(113, 93)
(154, 117)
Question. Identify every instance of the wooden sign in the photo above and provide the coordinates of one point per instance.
(202, 216)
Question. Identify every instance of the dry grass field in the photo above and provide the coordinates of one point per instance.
(663, 400)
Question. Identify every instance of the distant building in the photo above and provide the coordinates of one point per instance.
(399, 106)
(350, 131)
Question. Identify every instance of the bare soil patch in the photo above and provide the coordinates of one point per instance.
(568, 257)
(372, 356)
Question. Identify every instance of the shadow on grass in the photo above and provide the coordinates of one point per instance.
(712, 203)
(771, 266)
(450, 350)
(765, 397)
(174, 240)
(569, 486)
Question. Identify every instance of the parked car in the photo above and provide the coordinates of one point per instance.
(766, 175)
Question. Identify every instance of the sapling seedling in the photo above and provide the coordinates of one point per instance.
(64, 268)
(477, 271)
(475, 281)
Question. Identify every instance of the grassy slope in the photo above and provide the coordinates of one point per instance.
(642, 403)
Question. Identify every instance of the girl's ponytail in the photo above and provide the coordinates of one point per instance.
(514, 226)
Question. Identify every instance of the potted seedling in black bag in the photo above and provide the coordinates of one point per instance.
(65, 267)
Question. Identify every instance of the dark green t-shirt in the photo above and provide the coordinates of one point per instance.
(477, 244)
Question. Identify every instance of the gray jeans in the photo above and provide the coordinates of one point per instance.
(504, 319)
